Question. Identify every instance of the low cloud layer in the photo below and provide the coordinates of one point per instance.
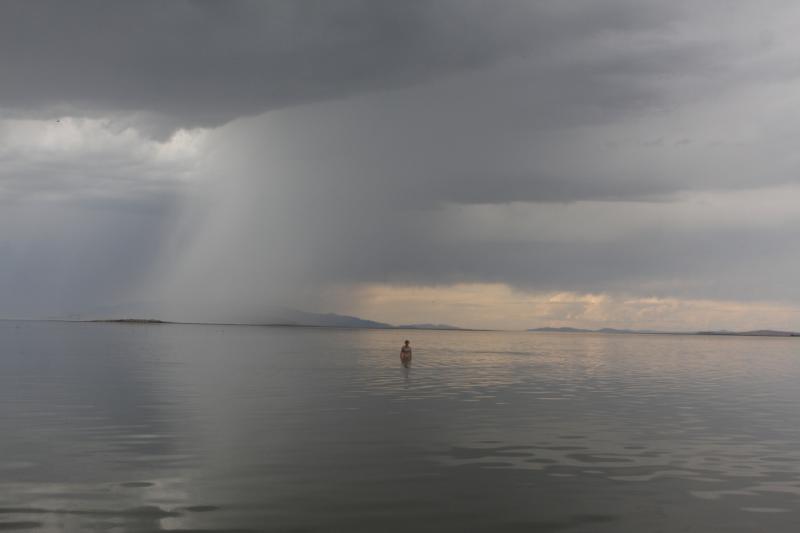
(213, 161)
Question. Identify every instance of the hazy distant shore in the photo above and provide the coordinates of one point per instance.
(365, 324)
(612, 331)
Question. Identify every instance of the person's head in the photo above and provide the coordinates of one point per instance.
(407, 343)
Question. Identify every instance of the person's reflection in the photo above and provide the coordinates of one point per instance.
(407, 375)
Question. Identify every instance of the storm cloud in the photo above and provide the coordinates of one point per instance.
(198, 63)
(221, 159)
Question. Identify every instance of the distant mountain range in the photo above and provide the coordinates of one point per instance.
(579, 330)
(755, 333)
(292, 317)
(427, 326)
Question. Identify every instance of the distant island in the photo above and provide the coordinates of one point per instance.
(754, 333)
(603, 330)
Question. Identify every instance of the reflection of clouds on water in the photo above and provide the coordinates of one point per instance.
(68, 383)
(83, 416)
(629, 408)
(234, 427)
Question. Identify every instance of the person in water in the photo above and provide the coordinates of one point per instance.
(405, 354)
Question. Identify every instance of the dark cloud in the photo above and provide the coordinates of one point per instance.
(196, 63)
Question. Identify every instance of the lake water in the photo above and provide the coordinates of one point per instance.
(111, 427)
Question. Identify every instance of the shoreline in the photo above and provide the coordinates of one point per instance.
(156, 322)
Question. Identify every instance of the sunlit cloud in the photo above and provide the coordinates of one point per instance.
(71, 158)
(498, 306)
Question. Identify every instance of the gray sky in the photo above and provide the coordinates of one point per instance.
(517, 164)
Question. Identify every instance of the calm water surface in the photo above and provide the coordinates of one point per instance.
(109, 427)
